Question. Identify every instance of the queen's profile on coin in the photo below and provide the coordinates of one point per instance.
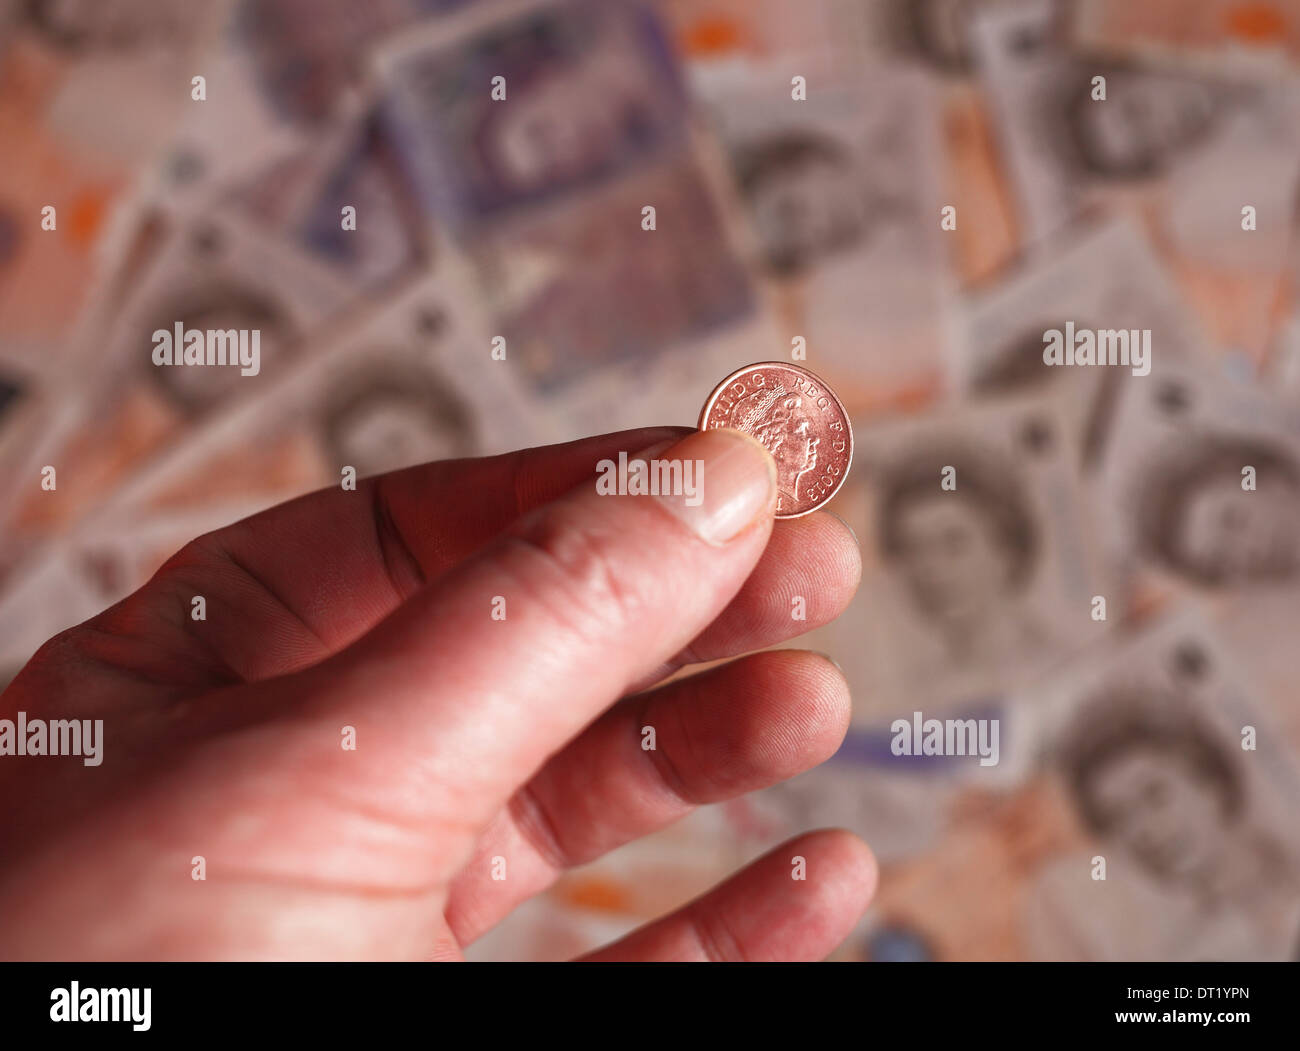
(776, 419)
(796, 418)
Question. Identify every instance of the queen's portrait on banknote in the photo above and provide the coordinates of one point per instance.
(1198, 866)
(392, 417)
(963, 557)
(1197, 518)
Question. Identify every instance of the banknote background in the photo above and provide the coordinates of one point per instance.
(776, 220)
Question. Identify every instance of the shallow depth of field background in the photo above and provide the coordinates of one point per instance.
(910, 191)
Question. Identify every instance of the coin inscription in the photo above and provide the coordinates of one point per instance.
(798, 419)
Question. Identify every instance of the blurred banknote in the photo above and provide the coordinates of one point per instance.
(215, 288)
(841, 191)
(1188, 151)
(1200, 484)
(978, 568)
(553, 195)
(1229, 31)
(1101, 279)
(1156, 770)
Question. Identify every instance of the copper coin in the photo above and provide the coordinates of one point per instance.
(798, 419)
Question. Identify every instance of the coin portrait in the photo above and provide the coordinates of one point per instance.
(797, 419)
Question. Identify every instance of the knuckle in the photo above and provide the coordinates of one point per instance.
(66, 648)
(714, 936)
(539, 828)
(60, 663)
(675, 755)
(201, 551)
(579, 569)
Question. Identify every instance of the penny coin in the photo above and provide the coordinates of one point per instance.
(798, 419)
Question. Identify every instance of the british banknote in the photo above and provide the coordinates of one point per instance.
(1103, 277)
(1153, 826)
(248, 298)
(1208, 161)
(841, 191)
(1208, 34)
(1200, 485)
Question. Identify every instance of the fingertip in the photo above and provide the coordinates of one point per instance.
(759, 720)
(854, 860)
(846, 870)
(831, 878)
(837, 702)
(849, 551)
(821, 709)
(805, 714)
(853, 535)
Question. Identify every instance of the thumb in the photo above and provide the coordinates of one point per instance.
(474, 681)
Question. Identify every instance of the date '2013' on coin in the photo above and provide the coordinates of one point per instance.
(798, 419)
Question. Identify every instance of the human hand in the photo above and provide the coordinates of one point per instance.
(475, 737)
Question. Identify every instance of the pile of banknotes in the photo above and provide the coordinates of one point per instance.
(464, 226)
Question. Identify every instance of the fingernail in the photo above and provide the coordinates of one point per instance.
(733, 484)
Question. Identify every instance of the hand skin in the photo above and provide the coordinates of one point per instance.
(475, 737)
